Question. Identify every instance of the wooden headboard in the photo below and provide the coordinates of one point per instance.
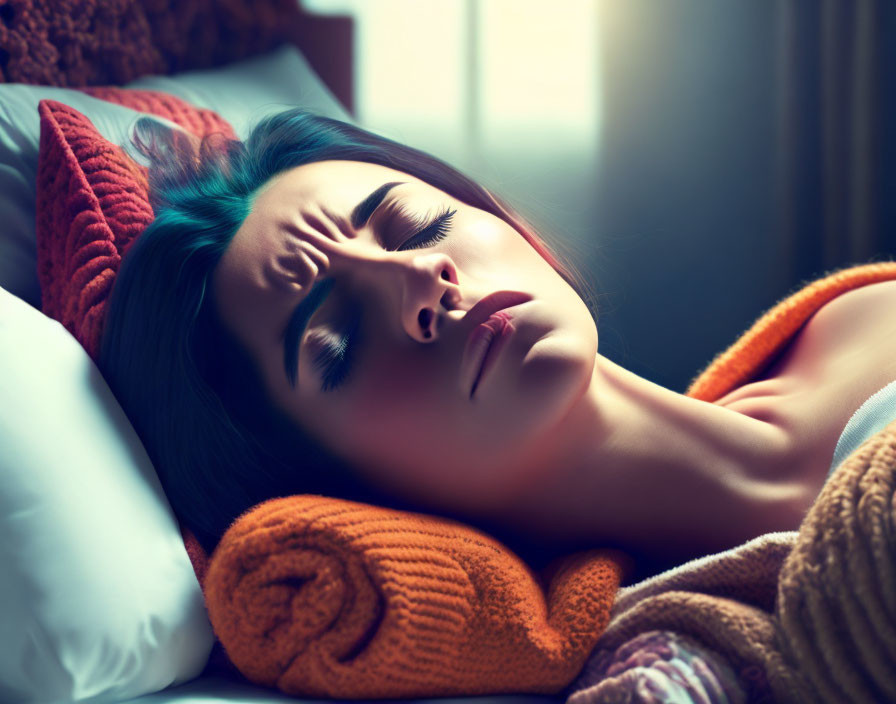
(328, 43)
(112, 43)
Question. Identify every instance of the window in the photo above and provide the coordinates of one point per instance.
(477, 81)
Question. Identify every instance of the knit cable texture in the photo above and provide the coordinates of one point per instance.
(95, 42)
(837, 589)
(92, 203)
(807, 615)
(325, 597)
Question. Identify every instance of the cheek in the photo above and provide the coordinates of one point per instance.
(382, 404)
(389, 442)
(488, 249)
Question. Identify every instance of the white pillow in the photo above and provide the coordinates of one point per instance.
(244, 92)
(97, 595)
(241, 93)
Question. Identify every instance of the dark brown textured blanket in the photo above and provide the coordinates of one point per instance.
(92, 42)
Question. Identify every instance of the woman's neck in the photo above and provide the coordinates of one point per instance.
(650, 470)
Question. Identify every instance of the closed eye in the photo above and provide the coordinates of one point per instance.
(334, 355)
(428, 231)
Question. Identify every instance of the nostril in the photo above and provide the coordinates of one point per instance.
(446, 275)
(450, 298)
(425, 318)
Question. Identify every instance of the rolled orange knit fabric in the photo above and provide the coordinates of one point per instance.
(325, 597)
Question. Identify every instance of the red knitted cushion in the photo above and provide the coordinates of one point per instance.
(92, 203)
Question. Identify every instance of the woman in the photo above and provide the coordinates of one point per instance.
(310, 313)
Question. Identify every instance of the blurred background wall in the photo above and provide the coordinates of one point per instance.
(699, 159)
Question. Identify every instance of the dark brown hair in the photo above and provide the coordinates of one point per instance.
(192, 393)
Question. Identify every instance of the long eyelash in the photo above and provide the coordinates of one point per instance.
(434, 229)
(334, 360)
(330, 362)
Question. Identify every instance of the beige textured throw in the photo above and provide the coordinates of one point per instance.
(800, 616)
(836, 605)
(725, 602)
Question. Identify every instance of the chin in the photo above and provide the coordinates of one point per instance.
(522, 410)
(560, 363)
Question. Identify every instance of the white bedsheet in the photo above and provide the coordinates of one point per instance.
(875, 414)
(211, 689)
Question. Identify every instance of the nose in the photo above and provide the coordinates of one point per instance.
(420, 287)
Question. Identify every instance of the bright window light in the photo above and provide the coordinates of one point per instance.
(467, 78)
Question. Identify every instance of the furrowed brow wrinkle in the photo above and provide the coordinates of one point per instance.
(298, 321)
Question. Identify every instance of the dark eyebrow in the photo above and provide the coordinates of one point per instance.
(362, 212)
(301, 314)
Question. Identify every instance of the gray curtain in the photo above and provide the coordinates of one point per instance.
(835, 101)
(746, 149)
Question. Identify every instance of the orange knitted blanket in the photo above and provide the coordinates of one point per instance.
(324, 597)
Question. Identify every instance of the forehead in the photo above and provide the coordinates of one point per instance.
(253, 274)
(336, 184)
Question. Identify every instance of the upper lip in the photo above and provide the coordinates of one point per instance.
(487, 306)
(474, 318)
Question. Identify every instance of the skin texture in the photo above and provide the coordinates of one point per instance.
(404, 414)
(558, 442)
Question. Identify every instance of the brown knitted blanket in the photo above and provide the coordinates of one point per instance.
(91, 42)
(791, 617)
(836, 605)
(807, 615)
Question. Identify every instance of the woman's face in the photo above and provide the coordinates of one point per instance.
(385, 365)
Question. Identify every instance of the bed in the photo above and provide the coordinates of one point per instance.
(86, 619)
(102, 599)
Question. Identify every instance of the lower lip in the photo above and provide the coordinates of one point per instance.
(497, 329)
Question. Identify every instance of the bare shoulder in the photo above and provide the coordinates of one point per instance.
(869, 311)
(841, 356)
(884, 290)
